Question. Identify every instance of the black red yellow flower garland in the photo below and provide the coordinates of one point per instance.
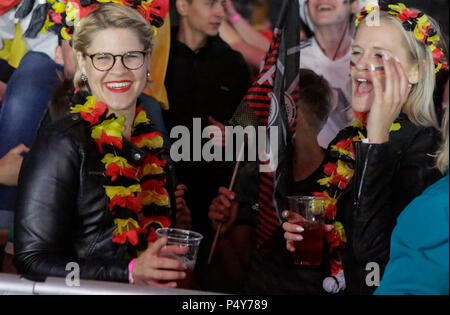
(62, 15)
(338, 173)
(412, 21)
(137, 196)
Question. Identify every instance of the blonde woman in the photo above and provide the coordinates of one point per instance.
(94, 187)
(377, 166)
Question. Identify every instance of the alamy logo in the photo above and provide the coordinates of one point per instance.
(225, 144)
(373, 276)
(73, 277)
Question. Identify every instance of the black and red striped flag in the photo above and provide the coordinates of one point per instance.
(272, 98)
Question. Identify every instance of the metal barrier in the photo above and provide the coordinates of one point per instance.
(18, 285)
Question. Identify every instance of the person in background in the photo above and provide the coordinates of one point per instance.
(419, 256)
(109, 172)
(328, 53)
(243, 266)
(243, 37)
(205, 79)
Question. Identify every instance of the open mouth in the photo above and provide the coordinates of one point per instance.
(325, 8)
(118, 86)
(363, 87)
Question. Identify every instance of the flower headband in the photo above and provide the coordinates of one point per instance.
(416, 22)
(62, 14)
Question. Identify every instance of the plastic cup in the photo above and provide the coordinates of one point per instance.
(183, 238)
(308, 252)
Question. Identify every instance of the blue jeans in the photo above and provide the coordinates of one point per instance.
(25, 103)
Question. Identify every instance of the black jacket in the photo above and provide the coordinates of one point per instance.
(387, 178)
(62, 214)
(211, 81)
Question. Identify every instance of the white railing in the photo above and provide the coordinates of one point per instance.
(17, 285)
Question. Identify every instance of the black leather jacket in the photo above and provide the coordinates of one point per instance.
(387, 178)
(62, 214)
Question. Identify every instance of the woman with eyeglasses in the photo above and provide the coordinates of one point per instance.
(94, 188)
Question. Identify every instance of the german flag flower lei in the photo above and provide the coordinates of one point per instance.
(138, 199)
(337, 174)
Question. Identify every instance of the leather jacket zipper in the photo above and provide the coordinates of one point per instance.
(363, 175)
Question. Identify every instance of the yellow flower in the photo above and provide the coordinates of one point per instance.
(64, 34)
(87, 107)
(343, 170)
(112, 191)
(395, 127)
(151, 196)
(125, 225)
(111, 158)
(154, 143)
(112, 127)
(340, 150)
(339, 228)
(399, 8)
(59, 7)
(47, 25)
(325, 181)
(141, 118)
(152, 169)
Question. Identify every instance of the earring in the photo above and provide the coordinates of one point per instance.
(148, 74)
(84, 77)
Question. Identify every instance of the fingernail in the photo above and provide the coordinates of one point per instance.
(285, 214)
(299, 238)
(397, 59)
(183, 275)
(300, 229)
(372, 67)
(386, 56)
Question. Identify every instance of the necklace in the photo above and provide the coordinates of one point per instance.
(135, 192)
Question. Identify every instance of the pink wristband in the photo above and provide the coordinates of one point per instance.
(235, 18)
(130, 271)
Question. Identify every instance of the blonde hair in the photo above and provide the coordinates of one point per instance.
(107, 16)
(419, 105)
(442, 157)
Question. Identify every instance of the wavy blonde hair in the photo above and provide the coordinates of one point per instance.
(420, 105)
(442, 157)
(107, 16)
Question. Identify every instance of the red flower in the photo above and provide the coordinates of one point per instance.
(407, 14)
(329, 168)
(93, 117)
(336, 267)
(437, 55)
(152, 236)
(130, 236)
(160, 220)
(114, 141)
(361, 116)
(113, 170)
(330, 212)
(129, 202)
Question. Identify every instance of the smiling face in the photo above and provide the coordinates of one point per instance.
(203, 16)
(329, 12)
(371, 43)
(118, 87)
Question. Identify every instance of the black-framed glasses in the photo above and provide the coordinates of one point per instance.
(131, 60)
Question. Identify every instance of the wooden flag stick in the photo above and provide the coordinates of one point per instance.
(233, 179)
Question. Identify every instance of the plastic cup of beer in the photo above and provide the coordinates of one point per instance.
(308, 252)
(182, 238)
